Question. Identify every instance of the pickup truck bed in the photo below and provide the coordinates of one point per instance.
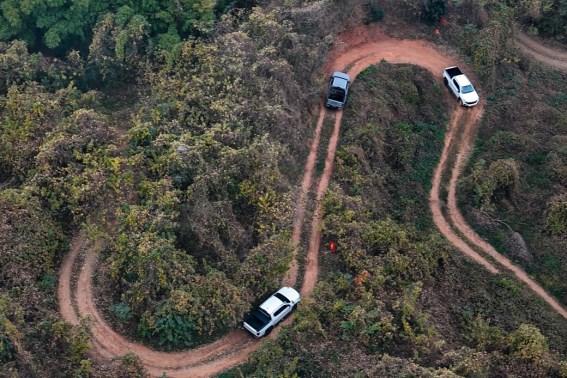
(257, 319)
(453, 71)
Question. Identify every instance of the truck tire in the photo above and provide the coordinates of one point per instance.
(269, 330)
(445, 82)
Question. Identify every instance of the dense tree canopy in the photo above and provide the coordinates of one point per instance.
(549, 17)
(65, 24)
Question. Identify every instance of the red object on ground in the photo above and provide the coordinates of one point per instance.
(332, 246)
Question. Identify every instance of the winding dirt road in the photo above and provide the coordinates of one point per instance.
(357, 50)
(540, 52)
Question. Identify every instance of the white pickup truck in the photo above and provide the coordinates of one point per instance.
(461, 86)
(265, 317)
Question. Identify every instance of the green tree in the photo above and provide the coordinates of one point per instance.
(29, 239)
(492, 44)
(500, 180)
(63, 25)
(557, 215)
(434, 10)
(528, 343)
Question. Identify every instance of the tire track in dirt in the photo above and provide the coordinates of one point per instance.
(538, 51)
(556, 59)
(458, 220)
(237, 346)
(435, 201)
(204, 361)
(291, 277)
(362, 47)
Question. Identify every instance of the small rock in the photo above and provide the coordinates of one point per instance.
(182, 148)
(516, 245)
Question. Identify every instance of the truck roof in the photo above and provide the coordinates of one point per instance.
(271, 305)
(462, 80)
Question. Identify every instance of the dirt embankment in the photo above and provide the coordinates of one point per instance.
(357, 50)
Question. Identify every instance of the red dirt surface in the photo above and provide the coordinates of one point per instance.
(458, 220)
(291, 277)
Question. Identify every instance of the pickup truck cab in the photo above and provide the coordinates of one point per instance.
(338, 90)
(461, 86)
(265, 317)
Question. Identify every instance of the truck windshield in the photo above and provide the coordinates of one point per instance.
(337, 94)
(467, 89)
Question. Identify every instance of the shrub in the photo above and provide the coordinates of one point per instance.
(557, 215)
(264, 265)
(122, 311)
(29, 239)
(528, 343)
(168, 328)
(7, 351)
(375, 12)
(500, 180)
(433, 10)
(206, 307)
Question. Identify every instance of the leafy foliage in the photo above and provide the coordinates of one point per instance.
(194, 163)
(557, 215)
(548, 17)
(29, 239)
(28, 115)
(500, 180)
(384, 304)
(527, 342)
(62, 25)
(208, 163)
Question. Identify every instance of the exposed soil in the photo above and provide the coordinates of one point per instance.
(435, 202)
(540, 52)
(291, 277)
(458, 220)
(357, 50)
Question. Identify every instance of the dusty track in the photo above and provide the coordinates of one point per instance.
(460, 223)
(540, 52)
(360, 48)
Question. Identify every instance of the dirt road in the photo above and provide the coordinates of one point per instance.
(540, 52)
(357, 50)
(459, 222)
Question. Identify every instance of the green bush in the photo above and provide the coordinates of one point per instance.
(557, 215)
(375, 12)
(122, 311)
(528, 343)
(29, 239)
(168, 329)
(206, 307)
(499, 181)
(60, 26)
(6, 349)
(433, 10)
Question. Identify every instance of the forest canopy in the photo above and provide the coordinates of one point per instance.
(61, 25)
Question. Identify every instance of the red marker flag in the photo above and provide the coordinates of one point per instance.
(332, 246)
